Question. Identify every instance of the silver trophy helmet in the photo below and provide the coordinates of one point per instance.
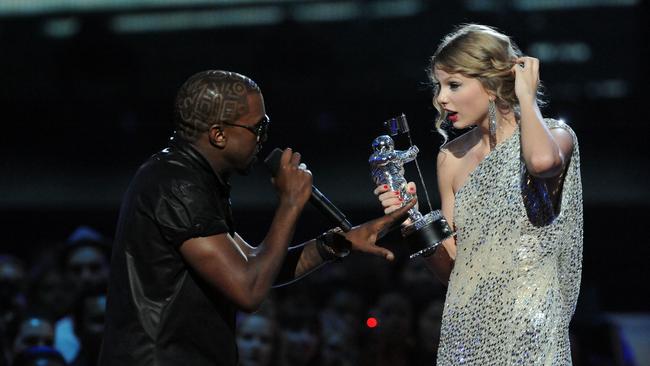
(383, 143)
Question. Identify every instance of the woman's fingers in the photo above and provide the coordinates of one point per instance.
(381, 189)
(388, 195)
(391, 202)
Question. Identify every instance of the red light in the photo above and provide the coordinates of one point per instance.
(372, 322)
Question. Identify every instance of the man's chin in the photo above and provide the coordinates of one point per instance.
(248, 168)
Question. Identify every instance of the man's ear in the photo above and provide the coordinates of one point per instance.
(217, 137)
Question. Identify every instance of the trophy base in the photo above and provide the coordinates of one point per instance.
(424, 235)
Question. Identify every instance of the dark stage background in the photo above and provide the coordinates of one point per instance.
(86, 95)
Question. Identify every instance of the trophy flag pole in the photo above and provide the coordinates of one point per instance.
(398, 125)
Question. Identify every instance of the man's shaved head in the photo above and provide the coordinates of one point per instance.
(208, 98)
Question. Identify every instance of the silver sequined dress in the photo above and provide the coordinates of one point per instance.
(516, 278)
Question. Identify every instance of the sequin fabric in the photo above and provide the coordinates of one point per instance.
(516, 278)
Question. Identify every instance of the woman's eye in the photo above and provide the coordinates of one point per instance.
(454, 86)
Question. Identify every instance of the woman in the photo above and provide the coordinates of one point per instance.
(511, 187)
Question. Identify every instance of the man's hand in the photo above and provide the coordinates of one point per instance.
(362, 238)
(292, 181)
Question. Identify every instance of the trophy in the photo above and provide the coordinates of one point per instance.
(424, 233)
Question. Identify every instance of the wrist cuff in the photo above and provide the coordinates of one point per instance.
(325, 244)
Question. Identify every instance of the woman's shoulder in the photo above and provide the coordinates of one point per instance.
(451, 154)
(553, 123)
(557, 123)
(459, 146)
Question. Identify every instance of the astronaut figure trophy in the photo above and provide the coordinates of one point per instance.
(387, 166)
(424, 232)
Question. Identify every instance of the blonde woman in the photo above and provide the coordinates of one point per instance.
(511, 187)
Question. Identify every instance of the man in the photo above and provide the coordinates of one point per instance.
(179, 270)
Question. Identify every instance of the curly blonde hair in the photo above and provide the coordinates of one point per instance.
(480, 52)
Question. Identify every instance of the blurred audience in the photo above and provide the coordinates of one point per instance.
(88, 317)
(341, 325)
(48, 292)
(417, 282)
(12, 302)
(84, 260)
(344, 306)
(300, 333)
(39, 356)
(595, 339)
(12, 286)
(339, 346)
(428, 332)
(391, 342)
(52, 313)
(258, 340)
(33, 331)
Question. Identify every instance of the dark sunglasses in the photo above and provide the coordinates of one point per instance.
(260, 129)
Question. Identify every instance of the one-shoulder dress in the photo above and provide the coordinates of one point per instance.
(515, 282)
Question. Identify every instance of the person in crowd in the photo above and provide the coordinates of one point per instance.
(33, 330)
(84, 262)
(258, 338)
(12, 301)
(39, 356)
(301, 332)
(47, 291)
(339, 345)
(13, 280)
(85, 259)
(89, 316)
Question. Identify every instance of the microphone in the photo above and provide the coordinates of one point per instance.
(317, 199)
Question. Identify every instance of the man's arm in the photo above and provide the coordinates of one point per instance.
(299, 261)
(307, 257)
(243, 275)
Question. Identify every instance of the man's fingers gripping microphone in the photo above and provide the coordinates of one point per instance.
(295, 159)
(285, 157)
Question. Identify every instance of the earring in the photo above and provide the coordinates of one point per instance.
(492, 119)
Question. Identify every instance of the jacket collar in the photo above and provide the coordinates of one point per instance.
(186, 148)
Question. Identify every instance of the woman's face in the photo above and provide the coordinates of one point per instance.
(464, 99)
(255, 341)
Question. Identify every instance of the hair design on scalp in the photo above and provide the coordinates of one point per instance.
(208, 98)
(480, 52)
